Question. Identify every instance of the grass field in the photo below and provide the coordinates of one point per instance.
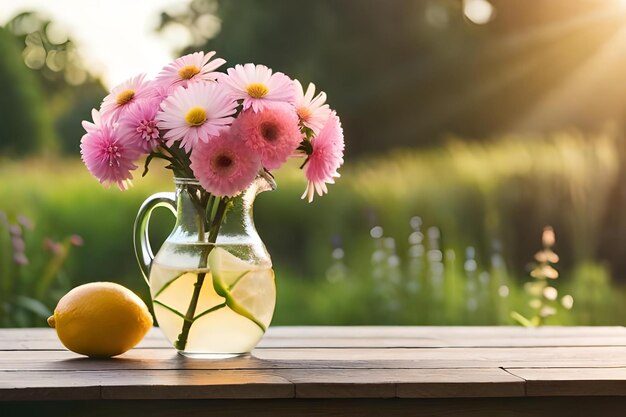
(414, 237)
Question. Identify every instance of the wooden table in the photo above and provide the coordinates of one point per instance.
(329, 371)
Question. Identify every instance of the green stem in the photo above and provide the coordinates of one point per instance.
(218, 219)
(209, 208)
(181, 342)
(180, 161)
(521, 319)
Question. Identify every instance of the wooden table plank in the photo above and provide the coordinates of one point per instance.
(285, 383)
(548, 357)
(404, 383)
(573, 381)
(45, 386)
(444, 332)
(193, 384)
(371, 336)
(426, 358)
(307, 343)
(46, 339)
(307, 363)
(147, 384)
(168, 359)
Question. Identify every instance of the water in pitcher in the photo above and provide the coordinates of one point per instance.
(217, 328)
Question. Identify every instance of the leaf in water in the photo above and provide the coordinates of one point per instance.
(173, 310)
(218, 260)
(226, 269)
(168, 283)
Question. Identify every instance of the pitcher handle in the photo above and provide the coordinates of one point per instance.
(141, 238)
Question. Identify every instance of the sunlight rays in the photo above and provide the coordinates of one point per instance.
(592, 44)
(554, 30)
(577, 94)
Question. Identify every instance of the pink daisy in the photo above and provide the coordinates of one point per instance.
(108, 157)
(138, 126)
(123, 95)
(224, 166)
(196, 113)
(272, 132)
(190, 68)
(91, 126)
(327, 156)
(311, 109)
(161, 91)
(257, 86)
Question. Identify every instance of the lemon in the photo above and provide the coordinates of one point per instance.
(100, 319)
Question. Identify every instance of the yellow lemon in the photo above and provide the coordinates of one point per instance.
(100, 319)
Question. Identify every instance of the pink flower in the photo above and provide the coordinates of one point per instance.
(91, 126)
(224, 166)
(123, 95)
(196, 113)
(138, 126)
(327, 156)
(190, 68)
(161, 92)
(108, 157)
(312, 111)
(273, 133)
(257, 86)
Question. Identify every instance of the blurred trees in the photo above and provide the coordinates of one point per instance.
(24, 123)
(404, 72)
(52, 88)
(366, 56)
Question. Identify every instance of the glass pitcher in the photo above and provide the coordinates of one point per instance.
(212, 284)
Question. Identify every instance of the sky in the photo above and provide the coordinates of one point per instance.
(116, 37)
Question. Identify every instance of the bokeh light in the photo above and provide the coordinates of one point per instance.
(478, 11)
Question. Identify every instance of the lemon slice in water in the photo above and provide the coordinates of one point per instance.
(228, 273)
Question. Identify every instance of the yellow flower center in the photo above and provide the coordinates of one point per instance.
(304, 113)
(196, 116)
(188, 72)
(257, 90)
(124, 97)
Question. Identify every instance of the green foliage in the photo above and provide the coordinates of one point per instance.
(481, 208)
(61, 196)
(596, 300)
(31, 276)
(25, 126)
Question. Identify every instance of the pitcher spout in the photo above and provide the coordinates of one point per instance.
(265, 182)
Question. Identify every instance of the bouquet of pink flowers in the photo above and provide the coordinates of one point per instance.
(223, 129)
